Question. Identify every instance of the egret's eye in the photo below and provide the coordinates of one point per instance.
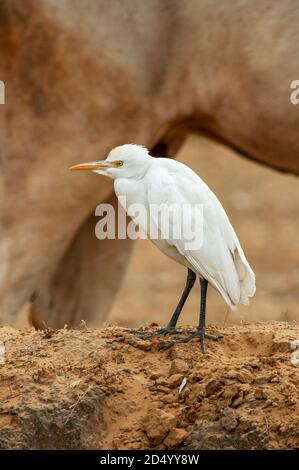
(120, 163)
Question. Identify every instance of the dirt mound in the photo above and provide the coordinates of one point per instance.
(92, 389)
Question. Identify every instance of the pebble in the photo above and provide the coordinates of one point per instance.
(175, 438)
(238, 400)
(230, 392)
(178, 367)
(161, 381)
(157, 424)
(213, 386)
(162, 389)
(244, 376)
(138, 343)
(158, 388)
(174, 380)
(155, 375)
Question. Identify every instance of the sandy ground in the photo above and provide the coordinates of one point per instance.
(263, 206)
(109, 389)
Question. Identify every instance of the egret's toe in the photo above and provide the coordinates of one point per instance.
(197, 334)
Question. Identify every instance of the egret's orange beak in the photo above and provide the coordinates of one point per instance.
(93, 165)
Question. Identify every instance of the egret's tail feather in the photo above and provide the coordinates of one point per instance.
(238, 283)
(246, 276)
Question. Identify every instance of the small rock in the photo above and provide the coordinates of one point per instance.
(174, 380)
(138, 343)
(175, 438)
(162, 389)
(161, 381)
(213, 386)
(157, 424)
(229, 393)
(237, 401)
(244, 376)
(158, 388)
(178, 367)
(156, 374)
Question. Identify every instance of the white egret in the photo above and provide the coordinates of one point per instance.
(219, 260)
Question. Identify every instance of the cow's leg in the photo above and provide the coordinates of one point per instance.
(74, 106)
(85, 282)
(30, 251)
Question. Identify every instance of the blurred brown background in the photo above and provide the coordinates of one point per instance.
(78, 85)
(263, 206)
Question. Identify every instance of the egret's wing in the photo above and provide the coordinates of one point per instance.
(214, 260)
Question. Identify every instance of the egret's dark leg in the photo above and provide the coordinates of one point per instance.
(191, 276)
(170, 328)
(202, 312)
(200, 333)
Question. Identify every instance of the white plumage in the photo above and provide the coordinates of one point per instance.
(143, 179)
(221, 260)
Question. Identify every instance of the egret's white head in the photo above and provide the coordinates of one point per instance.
(125, 161)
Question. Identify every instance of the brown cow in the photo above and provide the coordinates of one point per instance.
(84, 76)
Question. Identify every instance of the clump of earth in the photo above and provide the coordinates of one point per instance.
(111, 389)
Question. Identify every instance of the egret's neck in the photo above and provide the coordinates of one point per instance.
(134, 171)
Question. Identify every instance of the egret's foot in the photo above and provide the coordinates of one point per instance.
(201, 334)
(167, 330)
